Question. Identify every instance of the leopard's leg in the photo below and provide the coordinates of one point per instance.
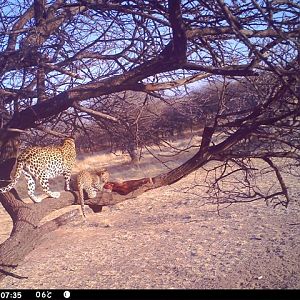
(31, 187)
(91, 194)
(67, 176)
(81, 198)
(44, 181)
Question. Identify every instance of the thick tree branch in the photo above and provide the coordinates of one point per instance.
(232, 70)
(227, 33)
(175, 83)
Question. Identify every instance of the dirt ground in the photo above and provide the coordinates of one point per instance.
(164, 239)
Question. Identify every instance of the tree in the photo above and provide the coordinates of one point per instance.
(128, 130)
(58, 55)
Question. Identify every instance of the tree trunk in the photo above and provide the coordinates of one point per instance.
(134, 155)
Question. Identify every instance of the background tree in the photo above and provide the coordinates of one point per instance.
(125, 122)
(58, 56)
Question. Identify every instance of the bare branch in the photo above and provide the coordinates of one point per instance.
(52, 132)
(174, 83)
(280, 180)
(95, 113)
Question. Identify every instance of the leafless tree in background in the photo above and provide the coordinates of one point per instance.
(125, 123)
(58, 56)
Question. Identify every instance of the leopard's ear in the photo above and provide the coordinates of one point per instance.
(69, 140)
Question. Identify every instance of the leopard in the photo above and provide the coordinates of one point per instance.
(42, 163)
(90, 182)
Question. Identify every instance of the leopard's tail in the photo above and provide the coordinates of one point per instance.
(20, 166)
(80, 189)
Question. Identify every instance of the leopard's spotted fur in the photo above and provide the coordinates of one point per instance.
(43, 163)
(91, 182)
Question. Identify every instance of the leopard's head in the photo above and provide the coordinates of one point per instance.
(103, 174)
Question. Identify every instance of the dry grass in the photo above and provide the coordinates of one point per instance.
(154, 160)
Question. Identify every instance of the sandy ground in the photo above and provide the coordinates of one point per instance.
(167, 239)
